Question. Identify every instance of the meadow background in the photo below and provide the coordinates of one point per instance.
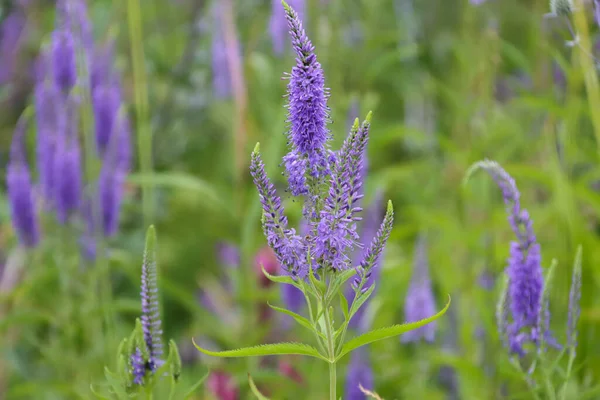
(450, 82)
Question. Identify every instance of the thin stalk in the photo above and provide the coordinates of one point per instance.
(144, 134)
(332, 381)
(331, 350)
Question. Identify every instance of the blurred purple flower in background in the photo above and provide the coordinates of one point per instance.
(420, 301)
(67, 169)
(228, 254)
(20, 192)
(221, 70)
(359, 373)
(278, 27)
(12, 33)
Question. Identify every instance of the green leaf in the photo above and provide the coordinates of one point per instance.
(255, 390)
(196, 385)
(97, 394)
(266, 350)
(344, 306)
(388, 332)
(280, 278)
(360, 300)
(115, 383)
(299, 318)
(181, 181)
(319, 285)
(338, 281)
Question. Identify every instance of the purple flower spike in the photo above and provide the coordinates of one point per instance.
(64, 62)
(20, 193)
(151, 324)
(524, 271)
(278, 25)
(12, 30)
(420, 302)
(228, 254)
(574, 306)
(288, 247)
(308, 112)
(110, 187)
(337, 227)
(222, 85)
(106, 102)
(369, 230)
(138, 367)
(67, 172)
(50, 120)
(359, 373)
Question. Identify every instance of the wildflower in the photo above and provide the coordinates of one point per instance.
(308, 112)
(49, 120)
(288, 246)
(420, 302)
(67, 171)
(12, 30)
(150, 311)
(368, 233)
(278, 25)
(106, 102)
(373, 252)
(359, 373)
(20, 193)
(64, 62)
(220, 64)
(228, 254)
(337, 227)
(574, 307)
(524, 271)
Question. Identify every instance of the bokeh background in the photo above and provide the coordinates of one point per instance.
(449, 83)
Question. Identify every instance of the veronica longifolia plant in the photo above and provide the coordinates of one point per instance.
(523, 311)
(319, 262)
(140, 365)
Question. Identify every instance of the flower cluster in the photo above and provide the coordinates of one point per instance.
(522, 318)
(69, 66)
(147, 356)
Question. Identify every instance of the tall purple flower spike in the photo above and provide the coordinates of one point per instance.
(287, 245)
(12, 31)
(222, 85)
(336, 230)
(308, 135)
(524, 271)
(420, 302)
(20, 193)
(359, 373)
(67, 180)
(151, 324)
(369, 229)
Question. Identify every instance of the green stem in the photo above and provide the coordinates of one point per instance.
(144, 135)
(331, 351)
(332, 381)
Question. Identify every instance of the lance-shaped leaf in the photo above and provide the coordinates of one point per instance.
(281, 278)
(192, 390)
(266, 350)
(299, 319)
(356, 304)
(384, 333)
